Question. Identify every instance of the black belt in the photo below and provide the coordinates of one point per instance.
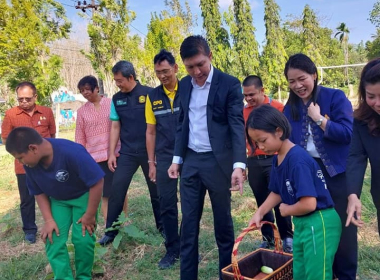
(261, 156)
(200, 153)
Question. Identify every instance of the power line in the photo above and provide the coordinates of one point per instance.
(137, 30)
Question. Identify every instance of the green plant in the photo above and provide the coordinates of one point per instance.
(126, 229)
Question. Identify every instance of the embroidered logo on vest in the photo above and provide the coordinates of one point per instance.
(141, 99)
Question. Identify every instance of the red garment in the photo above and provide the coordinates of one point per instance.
(247, 110)
(42, 121)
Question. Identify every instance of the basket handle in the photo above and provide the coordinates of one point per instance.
(277, 244)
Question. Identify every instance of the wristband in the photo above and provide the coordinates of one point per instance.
(155, 162)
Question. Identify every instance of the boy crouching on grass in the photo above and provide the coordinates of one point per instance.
(68, 185)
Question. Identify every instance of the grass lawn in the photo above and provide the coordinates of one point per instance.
(137, 257)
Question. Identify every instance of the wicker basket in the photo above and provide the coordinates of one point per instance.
(249, 266)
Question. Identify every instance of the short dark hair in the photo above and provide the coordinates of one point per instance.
(268, 119)
(125, 68)
(20, 138)
(253, 80)
(301, 62)
(164, 55)
(370, 75)
(27, 84)
(88, 80)
(194, 45)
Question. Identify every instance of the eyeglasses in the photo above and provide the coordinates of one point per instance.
(26, 99)
(164, 72)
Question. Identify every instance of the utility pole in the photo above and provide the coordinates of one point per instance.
(84, 6)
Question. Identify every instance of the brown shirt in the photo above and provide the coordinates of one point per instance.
(42, 121)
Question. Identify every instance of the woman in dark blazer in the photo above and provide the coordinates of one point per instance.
(321, 120)
(365, 143)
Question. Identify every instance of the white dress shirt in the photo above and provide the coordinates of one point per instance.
(199, 140)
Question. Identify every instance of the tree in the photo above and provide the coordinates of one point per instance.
(75, 64)
(27, 28)
(342, 34)
(217, 36)
(110, 40)
(373, 48)
(374, 15)
(292, 30)
(274, 55)
(310, 26)
(175, 10)
(166, 31)
(243, 33)
(328, 47)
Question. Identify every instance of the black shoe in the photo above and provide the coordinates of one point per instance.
(105, 240)
(30, 237)
(287, 245)
(168, 261)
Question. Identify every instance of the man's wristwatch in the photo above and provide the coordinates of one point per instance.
(319, 122)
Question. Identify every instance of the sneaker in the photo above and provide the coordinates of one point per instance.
(288, 245)
(30, 237)
(167, 261)
(105, 240)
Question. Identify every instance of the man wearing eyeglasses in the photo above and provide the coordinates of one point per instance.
(259, 166)
(161, 114)
(41, 118)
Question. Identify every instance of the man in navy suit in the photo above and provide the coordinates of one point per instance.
(210, 145)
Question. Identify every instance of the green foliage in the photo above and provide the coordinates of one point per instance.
(245, 46)
(26, 30)
(164, 32)
(216, 35)
(374, 15)
(342, 34)
(311, 46)
(126, 229)
(274, 55)
(110, 39)
(373, 48)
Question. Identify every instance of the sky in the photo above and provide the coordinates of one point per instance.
(354, 13)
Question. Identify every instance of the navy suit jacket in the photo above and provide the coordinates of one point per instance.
(225, 120)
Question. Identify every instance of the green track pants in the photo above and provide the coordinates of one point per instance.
(65, 214)
(316, 239)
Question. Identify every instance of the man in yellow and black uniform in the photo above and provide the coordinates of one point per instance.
(161, 113)
(128, 123)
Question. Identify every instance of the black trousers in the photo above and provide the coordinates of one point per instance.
(167, 190)
(346, 257)
(258, 178)
(201, 173)
(27, 206)
(127, 166)
(375, 192)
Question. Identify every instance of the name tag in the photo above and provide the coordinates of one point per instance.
(121, 102)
